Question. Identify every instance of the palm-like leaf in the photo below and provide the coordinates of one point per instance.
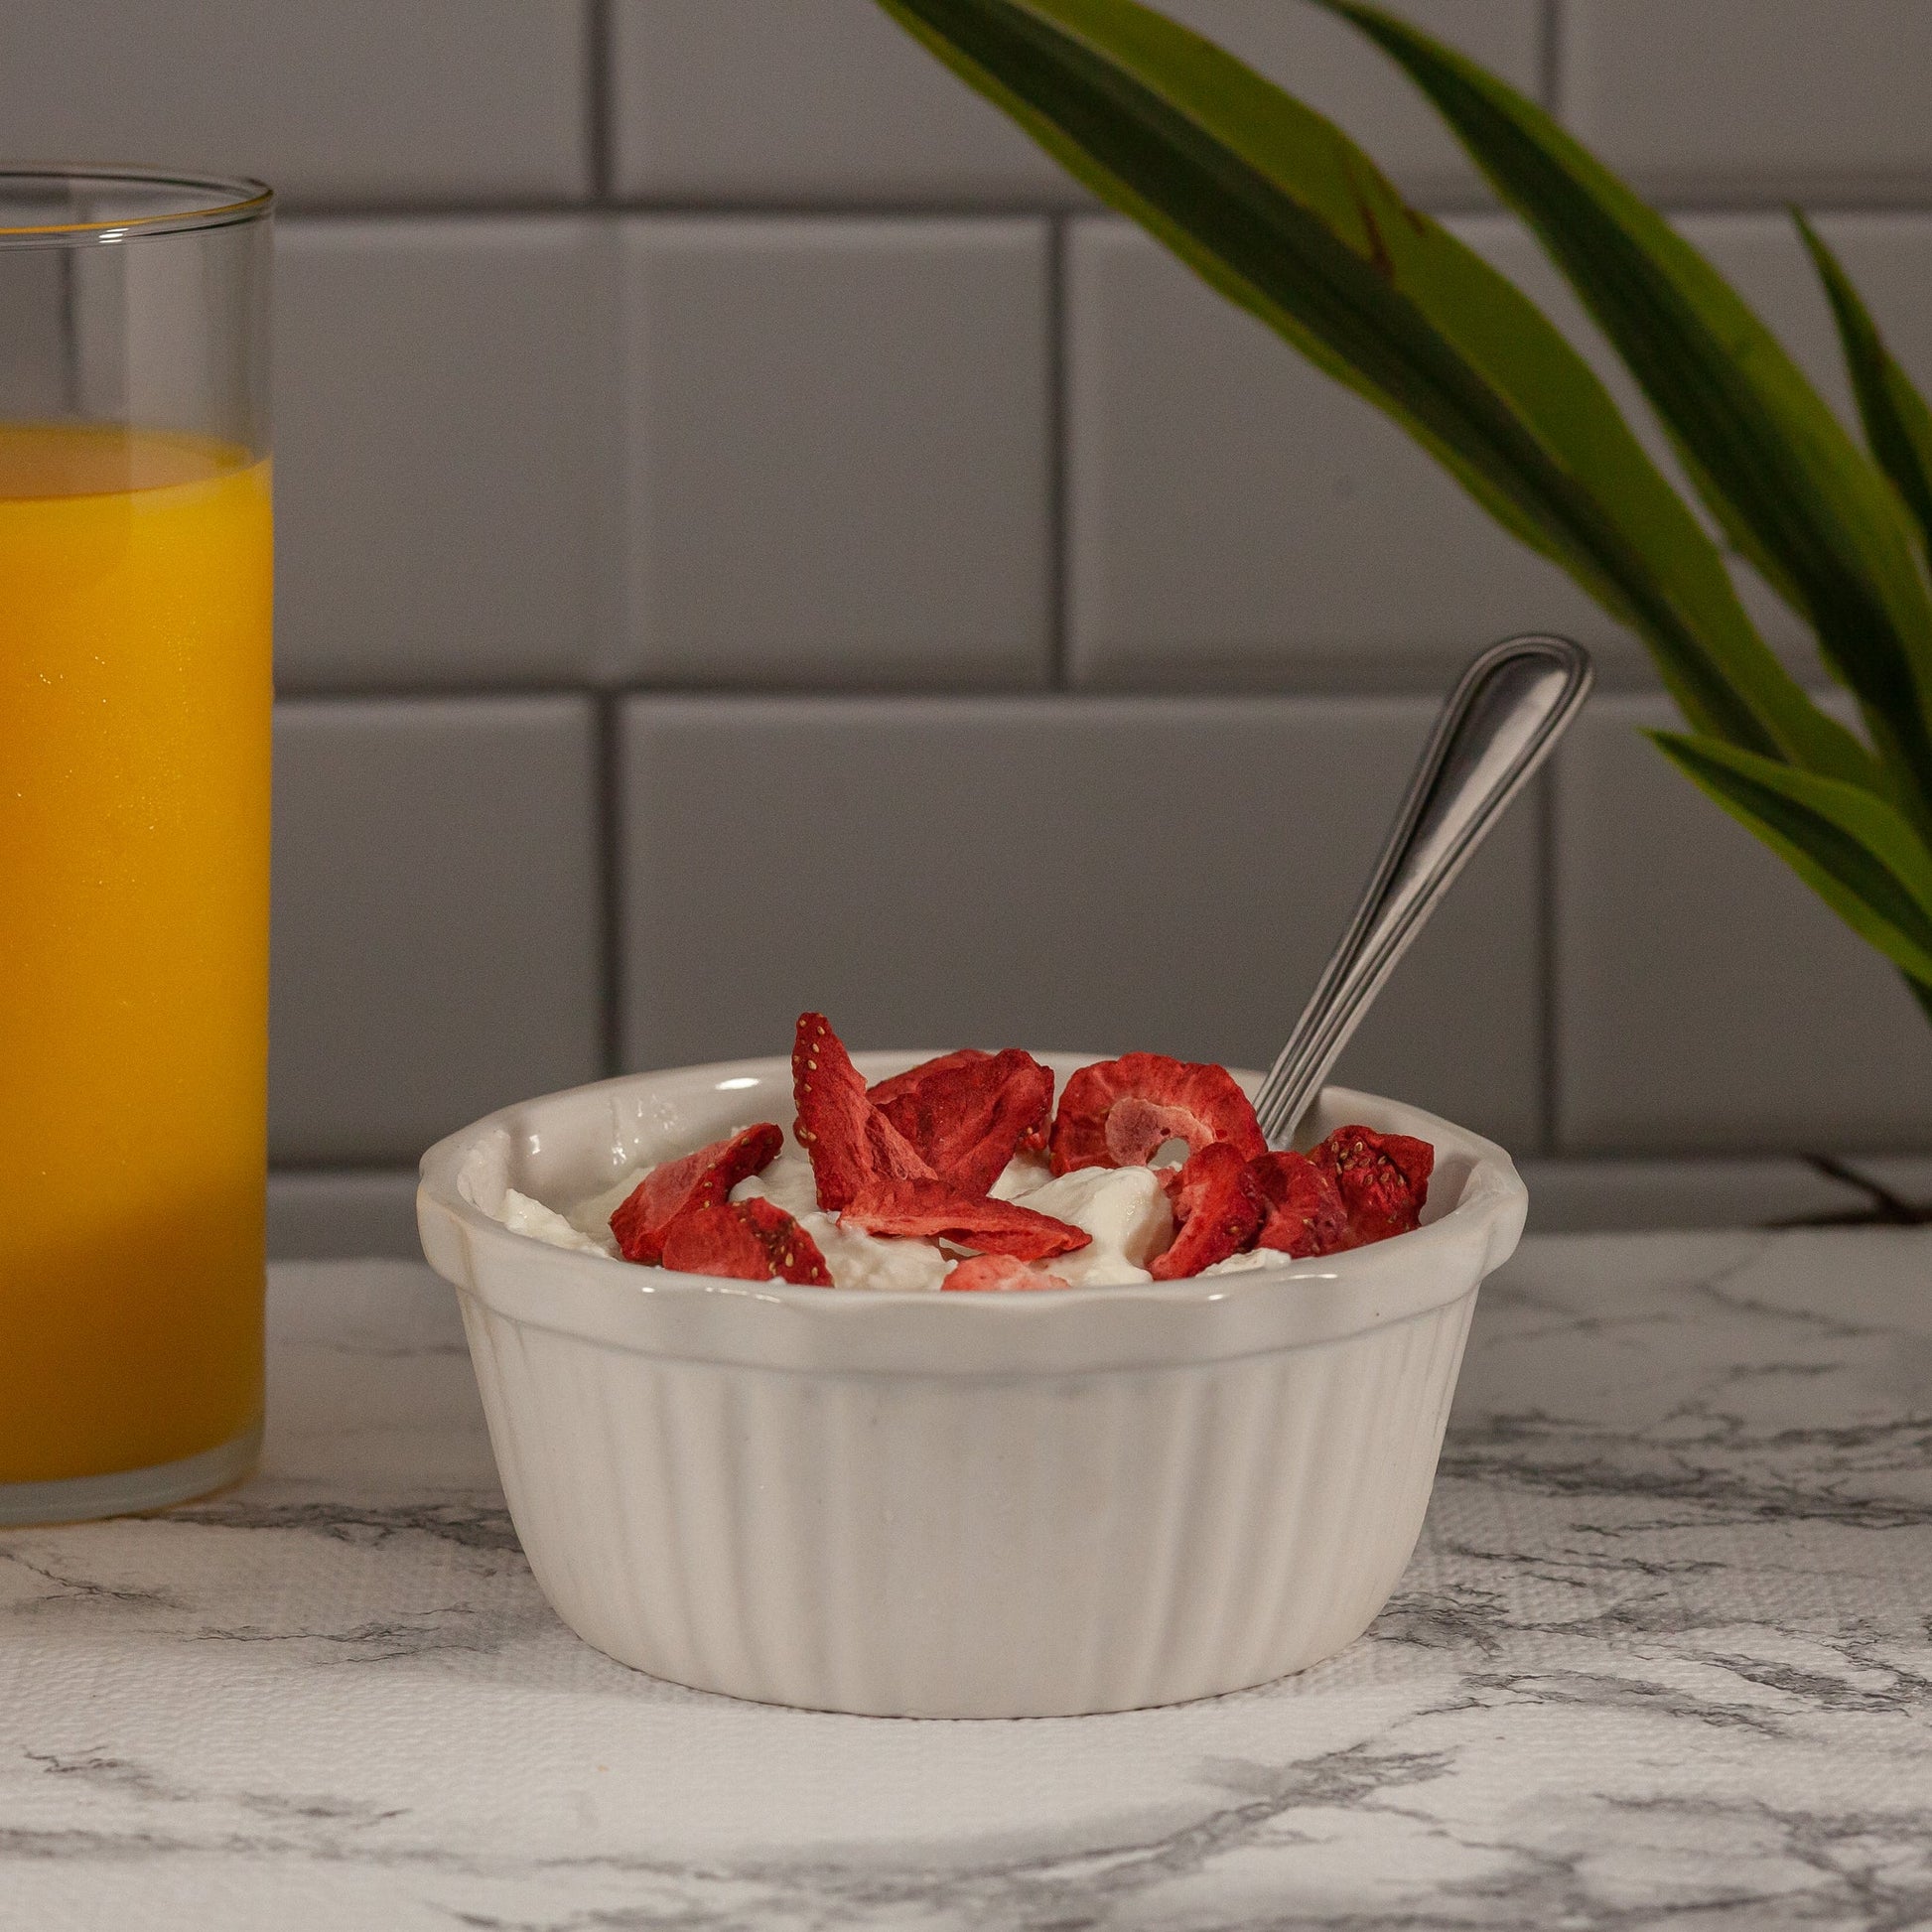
(1796, 494)
(1858, 853)
(1897, 423)
(1278, 210)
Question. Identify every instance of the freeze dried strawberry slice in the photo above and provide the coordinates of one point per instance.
(1120, 1113)
(968, 1113)
(793, 1254)
(715, 1240)
(700, 1179)
(1383, 1178)
(747, 1241)
(833, 1111)
(999, 1272)
(916, 1080)
(1218, 1208)
(1302, 1209)
(848, 1141)
(934, 1211)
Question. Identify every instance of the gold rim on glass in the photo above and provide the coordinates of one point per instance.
(209, 201)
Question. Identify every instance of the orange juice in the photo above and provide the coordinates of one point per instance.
(135, 580)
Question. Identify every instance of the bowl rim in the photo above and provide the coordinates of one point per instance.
(1493, 1191)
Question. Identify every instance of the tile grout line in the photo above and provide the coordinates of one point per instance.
(1428, 681)
(1828, 197)
(1058, 586)
(1549, 1049)
(380, 1168)
(1551, 75)
(600, 109)
(609, 834)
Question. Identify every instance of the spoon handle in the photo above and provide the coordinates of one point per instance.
(1499, 724)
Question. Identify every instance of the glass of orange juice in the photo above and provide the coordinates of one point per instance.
(135, 689)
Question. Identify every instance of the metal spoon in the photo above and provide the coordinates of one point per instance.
(1498, 724)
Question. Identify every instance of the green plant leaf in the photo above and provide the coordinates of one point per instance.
(1789, 486)
(1922, 993)
(1278, 210)
(1897, 423)
(1854, 850)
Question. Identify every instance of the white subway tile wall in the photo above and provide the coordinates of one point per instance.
(1099, 873)
(823, 104)
(446, 451)
(438, 927)
(1705, 998)
(1754, 100)
(839, 451)
(468, 102)
(1238, 519)
(754, 533)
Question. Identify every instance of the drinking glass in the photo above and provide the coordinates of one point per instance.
(135, 690)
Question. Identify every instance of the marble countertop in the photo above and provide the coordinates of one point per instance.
(1665, 1651)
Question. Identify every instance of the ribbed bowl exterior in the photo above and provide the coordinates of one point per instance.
(953, 1505)
(963, 1547)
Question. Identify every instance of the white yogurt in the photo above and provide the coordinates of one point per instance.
(788, 1183)
(1020, 1175)
(592, 1217)
(1124, 1210)
(853, 1258)
(1242, 1263)
(522, 1216)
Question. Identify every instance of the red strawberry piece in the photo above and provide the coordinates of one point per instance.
(916, 1080)
(1121, 1113)
(999, 1272)
(1383, 1178)
(932, 1210)
(848, 1141)
(794, 1255)
(833, 1111)
(749, 1241)
(968, 1113)
(700, 1179)
(1219, 1209)
(1302, 1209)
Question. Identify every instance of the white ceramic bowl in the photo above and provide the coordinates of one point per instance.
(952, 1505)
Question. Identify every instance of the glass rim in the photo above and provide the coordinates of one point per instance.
(225, 199)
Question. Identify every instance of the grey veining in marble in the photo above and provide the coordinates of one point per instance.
(1665, 1652)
